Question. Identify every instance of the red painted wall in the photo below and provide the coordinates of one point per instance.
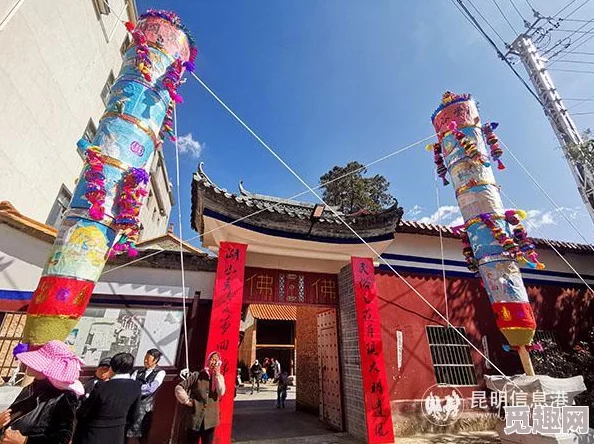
(568, 311)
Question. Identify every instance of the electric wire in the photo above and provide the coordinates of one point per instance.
(575, 10)
(181, 243)
(349, 227)
(526, 23)
(535, 229)
(576, 71)
(467, 13)
(277, 205)
(504, 16)
(548, 196)
(439, 228)
(564, 8)
(487, 22)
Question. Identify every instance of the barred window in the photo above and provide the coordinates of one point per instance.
(547, 338)
(106, 91)
(125, 44)
(450, 354)
(11, 331)
(90, 131)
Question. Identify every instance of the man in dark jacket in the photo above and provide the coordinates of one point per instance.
(201, 393)
(111, 407)
(102, 373)
(255, 375)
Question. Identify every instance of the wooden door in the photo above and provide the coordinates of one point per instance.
(329, 370)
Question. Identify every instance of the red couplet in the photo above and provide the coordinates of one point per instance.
(377, 397)
(223, 333)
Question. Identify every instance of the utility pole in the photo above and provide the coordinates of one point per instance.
(565, 129)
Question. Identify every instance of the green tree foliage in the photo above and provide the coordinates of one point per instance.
(347, 189)
(584, 152)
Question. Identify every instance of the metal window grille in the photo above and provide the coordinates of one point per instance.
(450, 354)
(125, 44)
(546, 336)
(11, 332)
(90, 131)
(59, 207)
(106, 91)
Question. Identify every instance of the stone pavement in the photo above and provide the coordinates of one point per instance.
(257, 421)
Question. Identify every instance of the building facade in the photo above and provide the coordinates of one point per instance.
(58, 61)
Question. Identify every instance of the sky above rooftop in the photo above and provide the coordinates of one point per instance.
(328, 82)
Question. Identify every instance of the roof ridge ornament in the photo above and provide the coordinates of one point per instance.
(203, 174)
(243, 191)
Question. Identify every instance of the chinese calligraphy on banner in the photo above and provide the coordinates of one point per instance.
(223, 333)
(377, 397)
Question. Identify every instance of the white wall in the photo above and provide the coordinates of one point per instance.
(22, 258)
(55, 57)
(419, 246)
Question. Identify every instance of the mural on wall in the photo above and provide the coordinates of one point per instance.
(103, 332)
(102, 219)
(494, 241)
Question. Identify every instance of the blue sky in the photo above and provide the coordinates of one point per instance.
(327, 82)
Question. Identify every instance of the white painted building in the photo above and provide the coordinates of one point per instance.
(58, 61)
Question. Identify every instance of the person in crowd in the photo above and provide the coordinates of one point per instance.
(44, 411)
(201, 393)
(276, 368)
(102, 373)
(150, 378)
(281, 390)
(112, 406)
(255, 375)
(265, 370)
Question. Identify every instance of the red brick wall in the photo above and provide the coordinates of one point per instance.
(308, 380)
(567, 311)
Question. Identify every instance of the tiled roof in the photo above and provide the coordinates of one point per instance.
(11, 217)
(168, 242)
(284, 215)
(274, 312)
(413, 227)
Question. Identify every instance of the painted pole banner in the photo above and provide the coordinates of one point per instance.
(378, 413)
(223, 333)
(102, 217)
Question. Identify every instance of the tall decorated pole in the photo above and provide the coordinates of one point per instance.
(102, 219)
(494, 240)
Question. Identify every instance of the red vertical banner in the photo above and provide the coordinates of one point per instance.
(223, 333)
(375, 388)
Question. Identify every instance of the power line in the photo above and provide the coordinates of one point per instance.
(564, 8)
(575, 47)
(575, 10)
(504, 16)
(579, 62)
(477, 25)
(530, 6)
(526, 22)
(487, 22)
(573, 31)
(571, 70)
(584, 114)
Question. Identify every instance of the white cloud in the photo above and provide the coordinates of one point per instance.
(187, 145)
(445, 215)
(535, 219)
(539, 218)
(415, 211)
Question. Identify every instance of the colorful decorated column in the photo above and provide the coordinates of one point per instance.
(102, 219)
(378, 413)
(223, 332)
(494, 240)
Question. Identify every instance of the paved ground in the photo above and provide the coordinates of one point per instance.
(257, 421)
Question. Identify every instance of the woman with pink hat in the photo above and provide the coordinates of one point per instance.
(44, 411)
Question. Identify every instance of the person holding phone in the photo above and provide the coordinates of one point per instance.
(201, 393)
